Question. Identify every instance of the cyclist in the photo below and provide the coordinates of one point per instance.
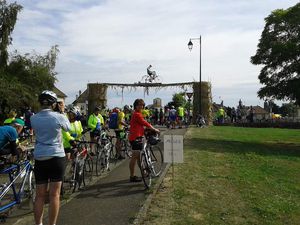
(173, 116)
(28, 113)
(9, 138)
(152, 74)
(146, 113)
(11, 117)
(127, 112)
(60, 106)
(49, 156)
(119, 131)
(180, 116)
(137, 124)
(75, 132)
(95, 122)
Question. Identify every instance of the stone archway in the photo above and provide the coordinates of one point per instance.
(97, 94)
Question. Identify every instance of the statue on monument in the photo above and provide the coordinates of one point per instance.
(151, 75)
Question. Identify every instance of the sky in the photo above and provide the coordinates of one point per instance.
(114, 41)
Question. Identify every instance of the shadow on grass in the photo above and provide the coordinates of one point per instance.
(231, 146)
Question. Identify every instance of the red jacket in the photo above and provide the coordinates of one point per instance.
(137, 124)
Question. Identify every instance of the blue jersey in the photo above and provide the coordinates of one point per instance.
(7, 134)
(47, 126)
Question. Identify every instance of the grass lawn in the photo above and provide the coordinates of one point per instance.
(233, 175)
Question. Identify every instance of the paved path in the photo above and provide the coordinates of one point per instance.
(112, 200)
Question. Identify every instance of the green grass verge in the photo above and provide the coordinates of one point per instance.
(233, 175)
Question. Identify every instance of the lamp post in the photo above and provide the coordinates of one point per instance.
(190, 46)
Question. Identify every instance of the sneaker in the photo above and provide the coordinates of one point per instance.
(135, 179)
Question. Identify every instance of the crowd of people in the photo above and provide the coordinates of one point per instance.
(56, 129)
(233, 115)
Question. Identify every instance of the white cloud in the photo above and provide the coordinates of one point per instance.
(115, 40)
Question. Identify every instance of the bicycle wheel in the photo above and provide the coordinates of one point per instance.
(128, 149)
(112, 154)
(145, 171)
(156, 160)
(79, 181)
(100, 162)
(30, 189)
(88, 167)
(123, 148)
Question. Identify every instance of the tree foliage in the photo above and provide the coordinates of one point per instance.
(178, 99)
(8, 18)
(288, 109)
(279, 53)
(22, 77)
(26, 76)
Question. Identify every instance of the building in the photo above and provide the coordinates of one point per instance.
(81, 102)
(260, 114)
(59, 93)
(157, 103)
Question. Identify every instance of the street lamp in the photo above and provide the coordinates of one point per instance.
(190, 46)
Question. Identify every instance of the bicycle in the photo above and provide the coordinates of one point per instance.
(21, 183)
(125, 145)
(104, 152)
(82, 163)
(151, 159)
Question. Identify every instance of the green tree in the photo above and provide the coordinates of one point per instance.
(279, 53)
(288, 109)
(26, 76)
(178, 99)
(22, 77)
(8, 18)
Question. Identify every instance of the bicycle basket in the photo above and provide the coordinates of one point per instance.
(153, 140)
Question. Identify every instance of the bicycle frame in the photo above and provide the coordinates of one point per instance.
(24, 171)
(104, 144)
(79, 159)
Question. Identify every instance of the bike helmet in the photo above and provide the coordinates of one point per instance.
(73, 110)
(18, 122)
(47, 98)
(116, 110)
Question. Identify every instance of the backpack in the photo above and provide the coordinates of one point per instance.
(113, 121)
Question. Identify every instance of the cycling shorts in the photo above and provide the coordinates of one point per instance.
(68, 150)
(137, 144)
(51, 170)
(173, 117)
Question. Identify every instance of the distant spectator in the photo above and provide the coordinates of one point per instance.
(11, 117)
(161, 117)
(221, 115)
(251, 114)
(233, 115)
(239, 114)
